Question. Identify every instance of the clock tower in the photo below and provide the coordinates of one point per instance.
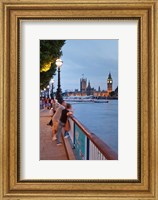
(109, 83)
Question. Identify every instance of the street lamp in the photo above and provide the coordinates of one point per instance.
(59, 63)
(47, 91)
(44, 92)
(41, 94)
(52, 84)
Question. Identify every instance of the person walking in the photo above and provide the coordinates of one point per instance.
(65, 113)
(56, 118)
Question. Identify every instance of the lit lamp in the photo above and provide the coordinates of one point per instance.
(52, 83)
(41, 93)
(44, 92)
(59, 63)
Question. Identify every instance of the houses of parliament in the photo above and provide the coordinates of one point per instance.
(87, 90)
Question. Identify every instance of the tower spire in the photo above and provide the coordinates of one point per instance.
(109, 77)
(109, 83)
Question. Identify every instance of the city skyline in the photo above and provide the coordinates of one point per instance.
(91, 59)
(87, 84)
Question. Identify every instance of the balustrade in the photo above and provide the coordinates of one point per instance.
(87, 146)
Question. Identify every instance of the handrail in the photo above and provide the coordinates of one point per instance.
(101, 145)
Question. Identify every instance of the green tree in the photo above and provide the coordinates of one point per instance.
(50, 50)
(112, 93)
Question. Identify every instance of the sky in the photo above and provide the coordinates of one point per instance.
(93, 58)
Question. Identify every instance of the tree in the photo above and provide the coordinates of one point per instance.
(112, 94)
(50, 50)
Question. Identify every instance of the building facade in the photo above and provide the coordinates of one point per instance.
(83, 85)
(109, 83)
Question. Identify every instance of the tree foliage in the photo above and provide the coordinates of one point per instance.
(112, 93)
(50, 50)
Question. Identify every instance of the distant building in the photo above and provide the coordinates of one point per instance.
(83, 85)
(109, 83)
(105, 93)
(89, 90)
(86, 90)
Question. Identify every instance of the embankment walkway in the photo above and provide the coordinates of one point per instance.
(48, 148)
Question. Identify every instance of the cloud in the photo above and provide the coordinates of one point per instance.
(93, 58)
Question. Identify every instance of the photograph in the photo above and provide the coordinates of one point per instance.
(79, 99)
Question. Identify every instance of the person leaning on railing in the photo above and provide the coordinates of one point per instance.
(67, 126)
(65, 113)
(56, 119)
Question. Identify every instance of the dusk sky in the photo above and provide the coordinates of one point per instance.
(93, 58)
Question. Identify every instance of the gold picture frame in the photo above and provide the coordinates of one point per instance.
(145, 11)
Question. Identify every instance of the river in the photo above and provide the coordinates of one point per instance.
(101, 119)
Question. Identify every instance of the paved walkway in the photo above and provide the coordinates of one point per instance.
(48, 148)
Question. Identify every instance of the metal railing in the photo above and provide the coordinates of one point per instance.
(87, 146)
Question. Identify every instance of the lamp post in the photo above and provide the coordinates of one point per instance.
(52, 86)
(47, 91)
(59, 63)
(44, 92)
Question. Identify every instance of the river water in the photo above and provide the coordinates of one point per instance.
(101, 119)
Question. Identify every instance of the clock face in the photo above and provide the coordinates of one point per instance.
(109, 81)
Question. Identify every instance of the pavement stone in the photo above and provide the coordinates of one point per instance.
(48, 148)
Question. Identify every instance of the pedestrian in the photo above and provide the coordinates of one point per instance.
(51, 113)
(65, 113)
(45, 103)
(52, 102)
(40, 103)
(55, 105)
(49, 103)
(67, 126)
(56, 118)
